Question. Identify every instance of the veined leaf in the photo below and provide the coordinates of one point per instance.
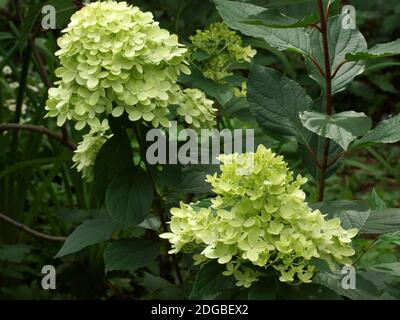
(341, 42)
(275, 19)
(114, 157)
(129, 197)
(382, 221)
(375, 201)
(392, 268)
(130, 254)
(365, 289)
(342, 127)
(88, 233)
(234, 13)
(352, 214)
(387, 131)
(277, 101)
(379, 51)
(210, 282)
(264, 289)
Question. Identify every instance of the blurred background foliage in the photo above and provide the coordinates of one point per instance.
(39, 188)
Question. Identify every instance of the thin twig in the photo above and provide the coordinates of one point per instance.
(46, 80)
(314, 61)
(338, 68)
(30, 231)
(336, 158)
(313, 25)
(6, 15)
(313, 155)
(41, 67)
(39, 129)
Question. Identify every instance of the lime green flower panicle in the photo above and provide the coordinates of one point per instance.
(116, 60)
(259, 221)
(220, 48)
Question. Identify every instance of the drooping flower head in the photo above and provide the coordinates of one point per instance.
(259, 222)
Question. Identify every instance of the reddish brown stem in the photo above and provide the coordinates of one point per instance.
(30, 231)
(338, 68)
(313, 25)
(324, 14)
(314, 61)
(314, 156)
(39, 129)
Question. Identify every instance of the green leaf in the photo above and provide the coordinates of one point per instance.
(210, 281)
(341, 42)
(234, 13)
(88, 233)
(317, 144)
(375, 201)
(392, 268)
(275, 19)
(194, 178)
(14, 252)
(130, 196)
(114, 157)
(343, 128)
(379, 51)
(387, 131)
(352, 214)
(130, 254)
(152, 282)
(222, 92)
(277, 101)
(382, 221)
(264, 289)
(307, 291)
(365, 289)
(152, 222)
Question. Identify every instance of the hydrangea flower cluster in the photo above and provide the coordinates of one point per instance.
(196, 109)
(87, 149)
(216, 49)
(259, 221)
(115, 60)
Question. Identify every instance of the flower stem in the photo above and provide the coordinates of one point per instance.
(328, 87)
